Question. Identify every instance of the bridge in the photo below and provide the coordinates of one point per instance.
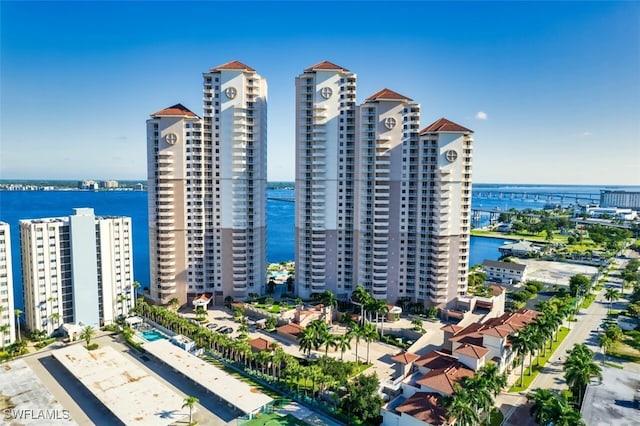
(563, 197)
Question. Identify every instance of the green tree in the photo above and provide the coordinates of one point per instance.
(329, 299)
(579, 284)
(544, 406)
(87, 334)
(579, 369)
(362, 400)
(605, 343)
(361, 297)
(343, 343)
(611, 294)
(460, 406)
(417, 325)
(369, 334)
(3, 329)
(190, 401)
(522, 344)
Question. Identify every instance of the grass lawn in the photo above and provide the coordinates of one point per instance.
(273, 419)
(536, 368)
(541, 237)
(496, 418)
(628, 348)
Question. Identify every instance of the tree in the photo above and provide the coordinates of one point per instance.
(460, 406)
(579, 369)
(369, 334)
(17, 313)
(578, 284)
(361, 297)
(362, 400)
(174, 303)
(343, 343)
(605, 343)
(307, 340)
(190, 401)
(544, 405)
(417, 325)
(136, 286)
(3, 329)
(611, 294)
(329, 299)
(87, 334)
(522, 343)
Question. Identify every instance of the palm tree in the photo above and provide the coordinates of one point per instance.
(481, 397)
(190, 401)
(361, 297)
(55, 318)
(605, 343)
(544, 406)
(329, 299)
(343, 343)
(357, 331)
(369, 334)
(495, 381)
(459, 406)
(381, 309)
(329, 340)
(3, 329)
(17, 313)
(174, 303)
(417, 325)
(136, 286)
(307, 340)
(521, 343)
(611, 294)
(580, 368)
(87, 333)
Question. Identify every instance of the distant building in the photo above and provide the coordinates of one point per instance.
(611, 212)
(504, 272)
(109, 184)
(88, 184)
(521, 248)
(138, 187)
(621, 199)
(76, 269)
(7, 316)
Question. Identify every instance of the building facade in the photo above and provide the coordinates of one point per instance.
(379, 202)
(7, 317)
(325, 180)
(207, 191)
(621, 199)
(176, 175)
(76, 269)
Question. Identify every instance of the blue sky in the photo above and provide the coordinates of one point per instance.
(551, 89)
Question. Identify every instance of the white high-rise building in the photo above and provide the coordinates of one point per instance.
(235, 139)
(325, 169)
(76, 269)
(387, 210)
(176, 175)
(7, 317)
(379, 203)
(207, 191)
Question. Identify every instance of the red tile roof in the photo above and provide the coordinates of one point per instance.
(261, 344)
(507, 323)
(472, 351)
(233, 65)
(436, 360)
(202, 297)
(326, 65)
(442, 380)
(451, 328)
(387, 95)
(292, 329)
(425, 406)
(175, 110)
(405, 357)
(444, 125)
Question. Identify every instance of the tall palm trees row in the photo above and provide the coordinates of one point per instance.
(533, 338)
(579, 368)
(475, 395)
(276, 366)
(317, 335)
(550, 408)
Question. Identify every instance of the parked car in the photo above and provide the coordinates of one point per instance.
(211, 326)
(222, 327)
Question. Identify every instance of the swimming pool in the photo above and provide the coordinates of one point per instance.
(153, 335)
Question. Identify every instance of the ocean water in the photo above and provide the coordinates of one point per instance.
(16, 205)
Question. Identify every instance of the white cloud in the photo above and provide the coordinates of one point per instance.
(481, 115)
(586, 133)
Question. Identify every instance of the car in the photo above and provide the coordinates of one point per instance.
(227, 330)
(222, 327)
(194, 321)
(211, 326)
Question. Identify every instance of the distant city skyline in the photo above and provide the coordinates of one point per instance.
(551, 89)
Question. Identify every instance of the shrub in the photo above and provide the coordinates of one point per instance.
(93, 346)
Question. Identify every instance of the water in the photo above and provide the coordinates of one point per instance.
(152, 335)
(16, 205)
